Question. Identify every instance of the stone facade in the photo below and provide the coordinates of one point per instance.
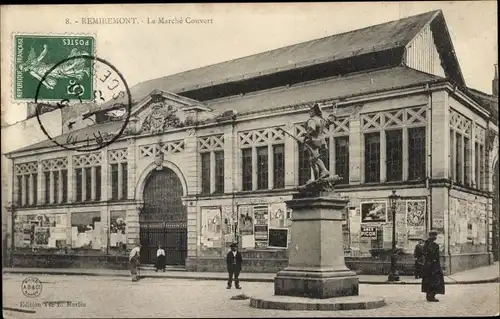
(463, 217)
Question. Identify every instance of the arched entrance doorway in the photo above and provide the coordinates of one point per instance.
(163, 219)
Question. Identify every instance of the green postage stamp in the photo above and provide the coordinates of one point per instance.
(37, 55)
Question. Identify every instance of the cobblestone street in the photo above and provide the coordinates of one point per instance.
(119, 297)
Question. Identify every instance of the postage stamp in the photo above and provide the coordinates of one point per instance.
(110, 101)
(34, 55)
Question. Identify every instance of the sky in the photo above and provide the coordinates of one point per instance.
(146, 51)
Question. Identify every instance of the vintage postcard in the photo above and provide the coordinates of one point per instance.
(250, 160)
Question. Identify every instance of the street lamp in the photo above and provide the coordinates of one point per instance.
(393, 276)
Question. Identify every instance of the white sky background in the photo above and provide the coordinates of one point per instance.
(142, 52)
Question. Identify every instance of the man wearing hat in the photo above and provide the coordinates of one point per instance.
(133, 259)
(234, 261)
(315, 140)
(432, 274)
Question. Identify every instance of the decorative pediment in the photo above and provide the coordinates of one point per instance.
(162, 111)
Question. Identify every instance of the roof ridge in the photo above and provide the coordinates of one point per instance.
(292, 45)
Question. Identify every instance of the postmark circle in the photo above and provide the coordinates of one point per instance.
(123, 101)
(31, 287)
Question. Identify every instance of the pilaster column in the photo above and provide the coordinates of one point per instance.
(71, 179)
(133, 226)
(105, 178)
(383, 157)
(254, 168)
(131, 168)
(230, 148)
(356, 147)
(291, 162)
(405, 154)
(439, 132)
(212, 172)
(332, 155)
(23, 190)
(93, 183)
(192, 160)
(120, 180)
(84, 184)
(40, 192)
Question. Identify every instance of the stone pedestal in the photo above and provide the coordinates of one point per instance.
(316, 267)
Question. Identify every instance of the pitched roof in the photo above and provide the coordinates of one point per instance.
(339, 87)
(334, 88)
(375, 38)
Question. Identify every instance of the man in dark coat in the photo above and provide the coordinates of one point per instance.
(418, 255)
(432, 274)
(234, 261)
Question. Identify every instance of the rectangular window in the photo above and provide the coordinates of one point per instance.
(467, 159)
(279, 166)
(246, 163)
(304, 165)
(481, 168)
(64, 186)
(79, 184)
(416, 153)
(342, 159)
(56, 187)
(27, 188)
(476, 165)
(453, 175)
(262, 167)
(97, 183)
(459, 160)
(47, 187)
(19, 190)
(394, 155)
(124, 180)
(372, 158)
(88, 183)
(35, 188)
(219, 171)
(205, 173)
(114, 181)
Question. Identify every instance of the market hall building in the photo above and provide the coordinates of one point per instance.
(203, 161)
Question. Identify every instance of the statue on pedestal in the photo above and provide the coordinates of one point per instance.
(315, 142)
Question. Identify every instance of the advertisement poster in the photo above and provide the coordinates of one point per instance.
(261, 233)
(373, 212)
(368, 232)
(277, 213)
(415, 218)
(211, 227)
(278, 238)
(245, 220)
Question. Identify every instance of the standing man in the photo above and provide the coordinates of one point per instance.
(315, 141)
(133, 259)
(418, 255)
(234, 261)
(432, 274)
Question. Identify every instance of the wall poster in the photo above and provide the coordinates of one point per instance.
(278, 238)
(416, 211)
(369, 232)
(211, 228)
(374, 212)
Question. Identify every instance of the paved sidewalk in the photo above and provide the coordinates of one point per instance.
(474, 276)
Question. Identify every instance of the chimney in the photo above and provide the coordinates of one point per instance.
(495, 82)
